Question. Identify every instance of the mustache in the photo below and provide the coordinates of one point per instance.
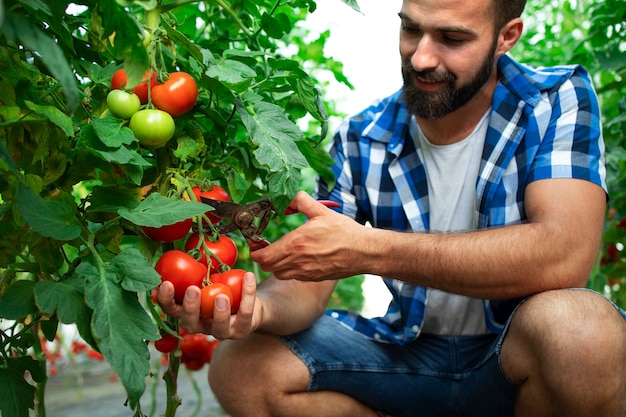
(430, 76)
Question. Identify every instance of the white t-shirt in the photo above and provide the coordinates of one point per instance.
(452, 171)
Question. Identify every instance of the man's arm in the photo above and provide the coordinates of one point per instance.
(556, 248)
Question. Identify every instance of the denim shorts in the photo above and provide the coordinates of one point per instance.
(432, 376)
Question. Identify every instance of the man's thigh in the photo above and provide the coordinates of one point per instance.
(433, 376)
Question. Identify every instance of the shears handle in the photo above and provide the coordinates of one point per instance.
(258, 244)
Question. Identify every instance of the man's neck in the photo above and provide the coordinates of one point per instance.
(457, 125)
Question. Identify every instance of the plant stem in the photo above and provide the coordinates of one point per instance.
(40, 388)
(171, 382)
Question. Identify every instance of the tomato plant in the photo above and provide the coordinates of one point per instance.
(170, 232)
(152, 128)
(123, 104)
(120, 81)
(222, 252)
(177, 95)
(208, 295)
(181, 270)
(233, 279)
(79, 187)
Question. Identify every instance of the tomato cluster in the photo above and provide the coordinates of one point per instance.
(153, 127)
(206, 261)
(195, 349)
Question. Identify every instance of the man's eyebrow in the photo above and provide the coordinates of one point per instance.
(457, 29)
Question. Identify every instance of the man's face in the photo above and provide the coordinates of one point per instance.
(448, 50)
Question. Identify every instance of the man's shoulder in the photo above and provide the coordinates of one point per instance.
(381, 119)
(528, 82)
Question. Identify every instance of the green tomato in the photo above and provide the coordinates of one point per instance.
(123, 104)
(153, 128)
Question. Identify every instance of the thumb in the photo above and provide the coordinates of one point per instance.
(307, 205)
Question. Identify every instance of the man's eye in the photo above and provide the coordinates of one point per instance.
(453, 41)
(410, 29)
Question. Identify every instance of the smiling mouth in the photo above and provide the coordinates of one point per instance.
(427, 84)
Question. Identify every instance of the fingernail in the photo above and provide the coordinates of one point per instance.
(191, 295)
(249, 279)
(221, 303)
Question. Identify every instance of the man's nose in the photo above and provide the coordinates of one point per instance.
(425, 57)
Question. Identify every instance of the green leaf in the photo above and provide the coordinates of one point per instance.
(17, 27)
(17, 394)
(353, 4)
(136, 273)
(276, 137)
(54, 219)
(311, 98)
(118, 155)
(65, 298)
(232, 72)
(111, 199)
(18, 301)
(183, 41)
(156, 211)
(112, 132)
(121, 326)
(56, 116)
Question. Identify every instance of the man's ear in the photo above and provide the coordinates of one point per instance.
(509, 35)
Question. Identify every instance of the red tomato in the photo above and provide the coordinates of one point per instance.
(177, 95)
(223, 250)
(120, 79)
(233, 279)
(182, 270)
(194, 345)
(209, 352)
(216, 193)
(207, 297)
(167, 343)
(192, 364)
(168, 233)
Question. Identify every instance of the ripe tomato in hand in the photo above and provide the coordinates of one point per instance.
(167, 343)
(177, 95)
(224, 249)
(168, 233)
(216, 193)
(233, 279)
(207, 298)
(153, 128)
(123, 104)
(182, 270)
(120, 79)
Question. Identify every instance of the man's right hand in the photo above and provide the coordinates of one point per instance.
(223, 325)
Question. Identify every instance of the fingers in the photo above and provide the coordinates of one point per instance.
(223, 324)
(307, 205)
(239, 325)
(165, 298)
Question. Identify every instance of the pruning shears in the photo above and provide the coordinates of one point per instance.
(250, 219)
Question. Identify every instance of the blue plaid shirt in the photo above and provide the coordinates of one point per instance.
(543, 124)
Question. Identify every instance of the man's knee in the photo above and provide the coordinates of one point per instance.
(258, 369)
(572, 331)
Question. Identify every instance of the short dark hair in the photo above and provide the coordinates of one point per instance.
(507, 10)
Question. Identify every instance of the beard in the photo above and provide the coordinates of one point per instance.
(432, 105)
